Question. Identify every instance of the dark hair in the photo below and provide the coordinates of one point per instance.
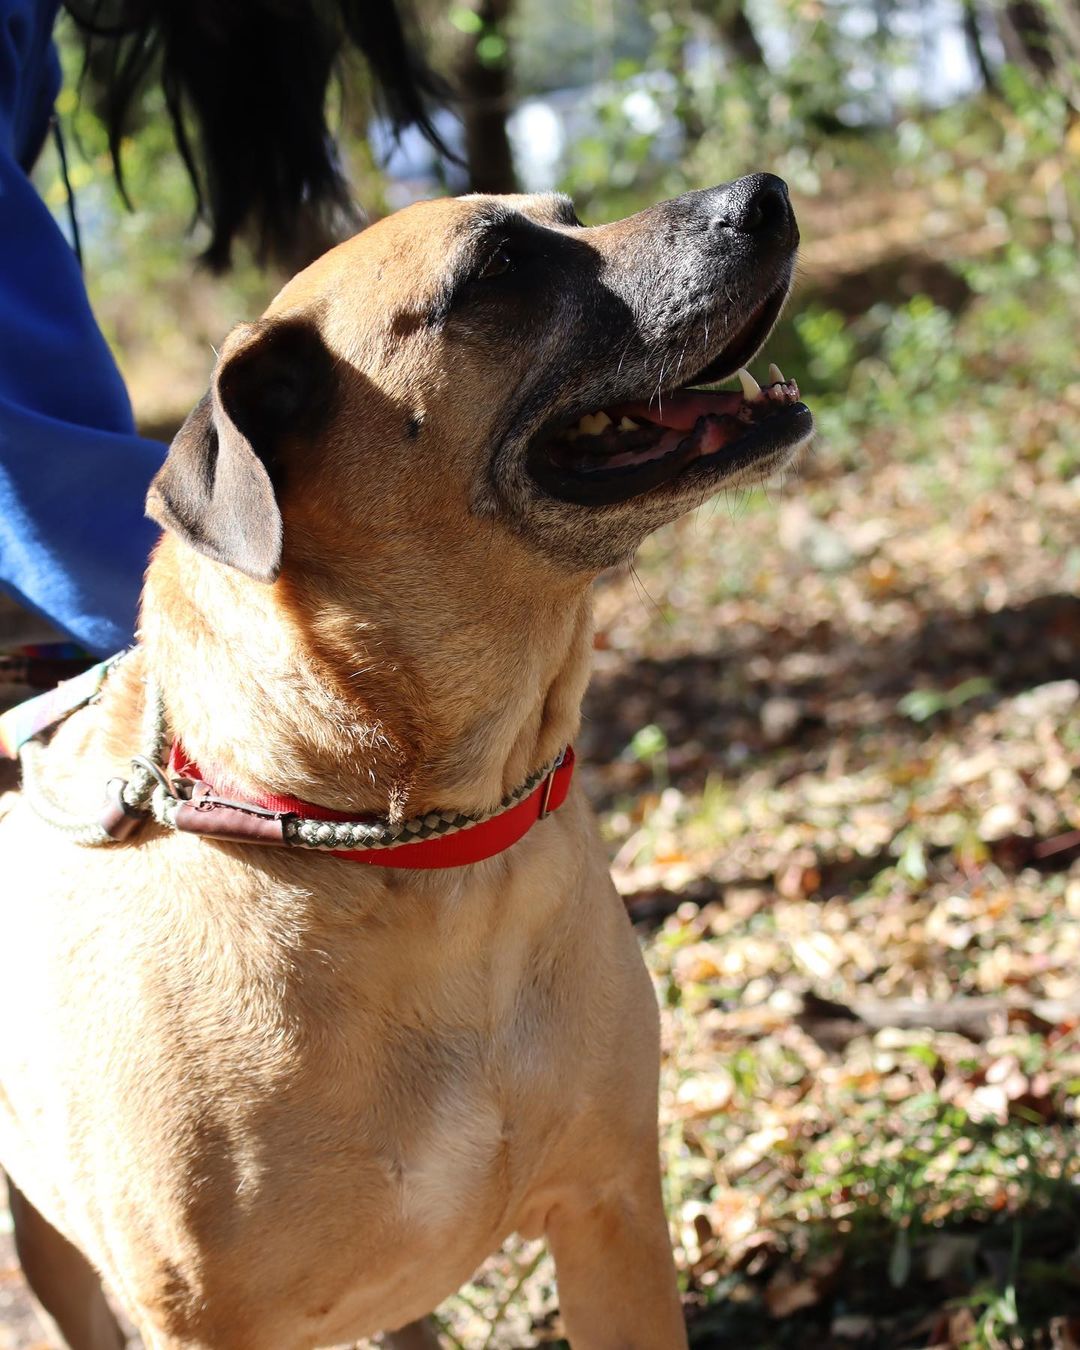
(246, 84)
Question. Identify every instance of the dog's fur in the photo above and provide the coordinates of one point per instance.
(275, 1099)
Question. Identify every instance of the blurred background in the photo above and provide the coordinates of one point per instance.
(833, 732)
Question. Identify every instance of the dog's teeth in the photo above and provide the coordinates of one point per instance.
(776, 374)
(592, 424)
(750, 387)
(627, 425)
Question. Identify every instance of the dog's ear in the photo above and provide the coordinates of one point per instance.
(218, 486)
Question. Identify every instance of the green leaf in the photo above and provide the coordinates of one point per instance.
(912, 862)
(649, 742)
(969, 689)
(900, 1259)
(466, 20)
(491, 49)
(922, 704)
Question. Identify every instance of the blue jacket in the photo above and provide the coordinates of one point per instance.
(73, 473)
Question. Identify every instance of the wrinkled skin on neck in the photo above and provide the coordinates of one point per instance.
(378, 687)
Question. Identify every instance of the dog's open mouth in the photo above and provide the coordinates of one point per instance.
(613, 454)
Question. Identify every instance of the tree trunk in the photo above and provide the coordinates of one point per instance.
(973, 34)
(1026, 35)
(484, 83)
(736, 32)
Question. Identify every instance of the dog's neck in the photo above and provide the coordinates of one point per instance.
(447, 696)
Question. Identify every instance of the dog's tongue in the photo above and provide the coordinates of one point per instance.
(681, 411)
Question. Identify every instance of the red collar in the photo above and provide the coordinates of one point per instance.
(261, 820)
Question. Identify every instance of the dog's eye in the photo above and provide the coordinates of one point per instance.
(499, 262)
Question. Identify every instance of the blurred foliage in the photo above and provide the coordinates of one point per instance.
(661, 108)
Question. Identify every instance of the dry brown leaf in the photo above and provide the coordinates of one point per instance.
(788, 1292)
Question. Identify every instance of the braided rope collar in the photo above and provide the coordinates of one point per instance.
(436, 839)
(171, 789)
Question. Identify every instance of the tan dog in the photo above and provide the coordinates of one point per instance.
(279, 1100)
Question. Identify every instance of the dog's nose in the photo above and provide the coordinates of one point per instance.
(757, 204)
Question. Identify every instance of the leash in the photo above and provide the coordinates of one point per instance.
(168, 787)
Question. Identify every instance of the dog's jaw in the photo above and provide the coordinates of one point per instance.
(597, 449)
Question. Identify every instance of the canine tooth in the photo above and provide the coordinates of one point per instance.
(776, 374)
(592, 424)
(750, 387)
(627, 425)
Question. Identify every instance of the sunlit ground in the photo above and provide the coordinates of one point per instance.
(834, 736)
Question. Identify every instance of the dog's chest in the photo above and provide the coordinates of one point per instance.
(425, 1128)
(338, 1115)
(418, 1054)
(454, 1094)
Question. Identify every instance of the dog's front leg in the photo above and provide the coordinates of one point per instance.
(615, 1271)
(66, 1285)
(414, 1336)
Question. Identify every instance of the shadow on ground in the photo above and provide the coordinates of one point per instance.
(722, 708)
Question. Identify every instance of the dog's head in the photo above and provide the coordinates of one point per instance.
(489, 363)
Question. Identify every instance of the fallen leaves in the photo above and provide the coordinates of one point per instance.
(868, 794)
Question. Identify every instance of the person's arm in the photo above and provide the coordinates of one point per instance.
(73, 473)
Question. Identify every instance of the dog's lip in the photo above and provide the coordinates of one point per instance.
(737, 352)
(681, 434)
(746, 343)
(717, 447)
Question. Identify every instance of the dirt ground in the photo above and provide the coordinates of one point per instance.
(20, 1328)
